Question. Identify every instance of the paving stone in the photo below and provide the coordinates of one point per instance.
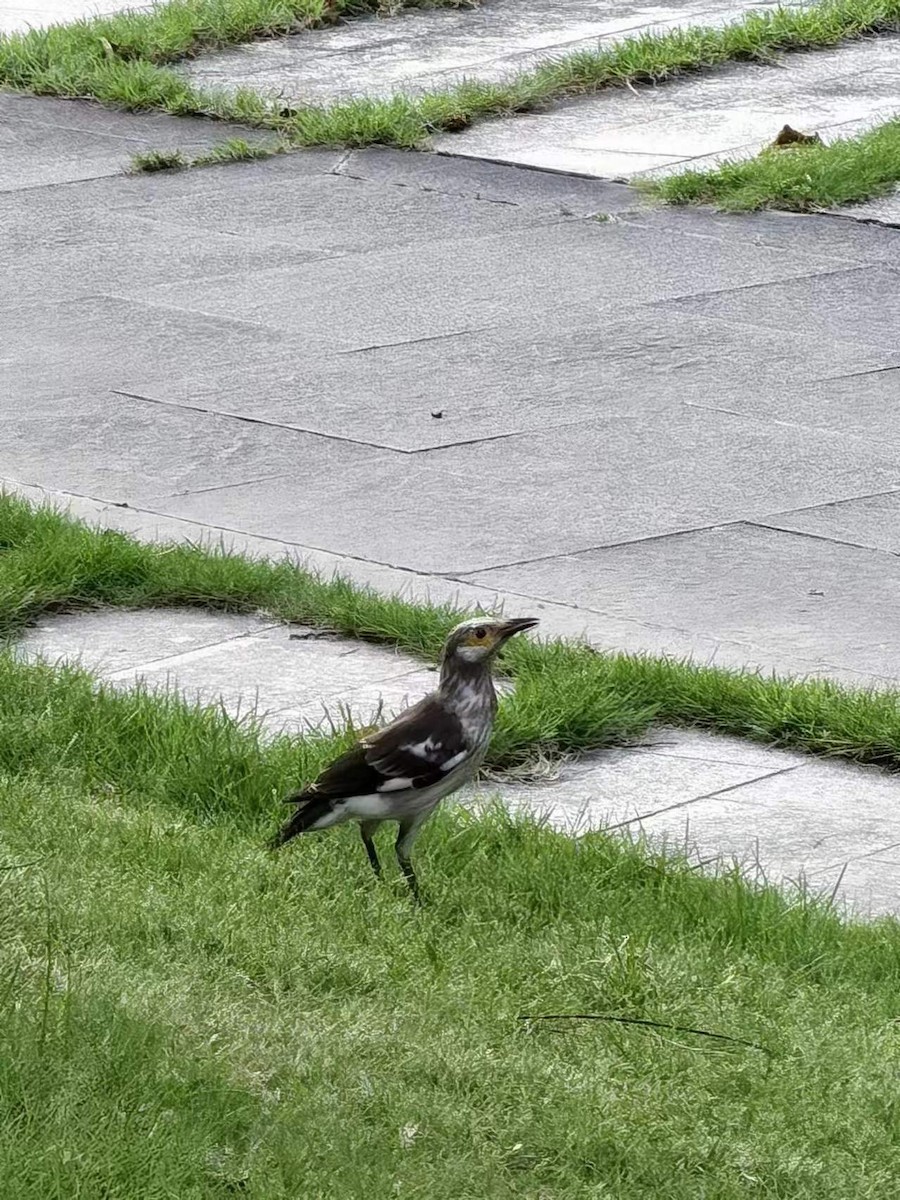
(81, 259)
(130, 451)
(448, 287)
(54, 350)
(246, 663)
(108, 641)
(268, 672)
(22, 16)
(781, 597)
(843, 240)
(882, 209)
(507, 380)
(807, 819)
(609, 481)
(862, 405)
(705, 746)
(542, 190)
(45, 141)
(295, 213)
(733, 112)
(421, 50)
(615, 788)
(872, 521)
(861, 304)
(870, 885)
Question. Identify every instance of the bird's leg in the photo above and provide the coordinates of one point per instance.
(367, 828)
(408, 831)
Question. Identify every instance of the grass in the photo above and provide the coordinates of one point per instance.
(158, 160)
(231, 150)
(568, 697)
(182, 1014)
(123, 61)
(800, 178)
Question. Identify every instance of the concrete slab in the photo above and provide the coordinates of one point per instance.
(698, 121)
(843, 240)
(510, 379)
(109, 641)
(861, 405)
(318, 214)
(870, 885)
(423, 50)
(884, 210)
(565, 194)
(128, 451)
(612, 480)
(704, 746)
(79, 258)
(50, 351)
(44, 141)
(451, 287)
(21, 16)
(613, 789)
(810, 819)
(872, 521)
(862, 304)
(292, 675)
(771, 597)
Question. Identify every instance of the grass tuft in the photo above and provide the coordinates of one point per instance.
(800, 178)
(237, 150)
(158, 160)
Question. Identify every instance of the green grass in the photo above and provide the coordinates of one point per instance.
(184, 1015)
(231, 150)
(122, 61)
(158, 160)
(799, 178)
(568, 697)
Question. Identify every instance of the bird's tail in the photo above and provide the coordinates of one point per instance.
(310, 810)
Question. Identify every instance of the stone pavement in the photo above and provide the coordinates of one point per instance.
(17, 16)
(671, 432)
(428, 49)
(619, 134)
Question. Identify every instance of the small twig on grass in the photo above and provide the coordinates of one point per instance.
(646, 1022)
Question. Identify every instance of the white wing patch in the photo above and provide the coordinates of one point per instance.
(395, 785)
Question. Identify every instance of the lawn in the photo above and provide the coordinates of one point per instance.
(183, 1014)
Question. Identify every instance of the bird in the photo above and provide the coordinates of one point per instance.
(403, 770)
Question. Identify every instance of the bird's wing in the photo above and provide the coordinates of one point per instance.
(416, 750)
(419, 748)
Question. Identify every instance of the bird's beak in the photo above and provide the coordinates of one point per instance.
(517, 625)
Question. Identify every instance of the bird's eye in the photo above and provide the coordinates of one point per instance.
(481, 633)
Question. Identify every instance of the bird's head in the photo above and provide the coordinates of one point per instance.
(479, 639)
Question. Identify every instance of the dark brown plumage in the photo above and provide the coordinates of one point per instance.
(400, 773)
